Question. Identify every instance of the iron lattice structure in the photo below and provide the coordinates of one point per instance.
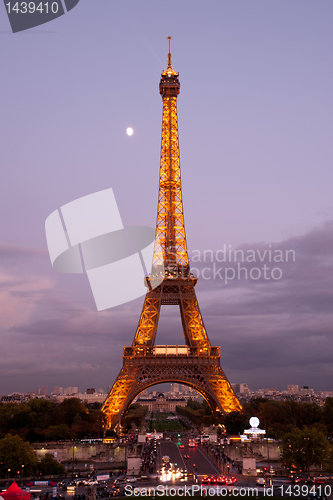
(197, 363)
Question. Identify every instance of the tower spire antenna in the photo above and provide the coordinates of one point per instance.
(169, 54)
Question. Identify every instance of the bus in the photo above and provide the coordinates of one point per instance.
(91, 441)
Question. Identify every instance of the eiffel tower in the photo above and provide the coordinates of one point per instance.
(197, 363)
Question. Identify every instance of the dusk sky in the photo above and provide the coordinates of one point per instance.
(255, 125)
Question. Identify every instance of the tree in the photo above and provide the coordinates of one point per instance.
(48, 465)
(13, 417)
(235, 422)
(69, 409)
(195, 405)
(303, 448)
(14, 452)
(329, 462)
(58, 432)
(328, 415)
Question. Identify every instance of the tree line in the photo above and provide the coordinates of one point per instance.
(281, 417)
(17, 458)
(41, 420)
(305, 430)
(198, 413)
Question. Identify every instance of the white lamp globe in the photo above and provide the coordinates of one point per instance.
(254, 421)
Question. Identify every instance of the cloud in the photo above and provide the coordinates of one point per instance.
(10, 251)
(19, 296)
(271, 332)
(281, 325)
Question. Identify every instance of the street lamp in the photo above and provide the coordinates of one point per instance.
(73, 461)
(22, 470)
(8, 475)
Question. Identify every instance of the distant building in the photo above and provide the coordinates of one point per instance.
(306, 391)
(41, 392)
(162, 403)
(293, 389)
(268, 392)
(95, 397)
(90, 391)
(240, 388)
(14, 398)
(187, 391)
(58, 391)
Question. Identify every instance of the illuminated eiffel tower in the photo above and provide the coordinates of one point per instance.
(197, 363)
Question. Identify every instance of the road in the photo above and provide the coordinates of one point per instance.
(197, 462)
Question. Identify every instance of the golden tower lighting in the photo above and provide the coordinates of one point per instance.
(195, 363)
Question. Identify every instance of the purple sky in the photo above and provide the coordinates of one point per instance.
(255, 122)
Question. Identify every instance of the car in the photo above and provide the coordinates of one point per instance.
(221, 480)
(233, 479)
(321, 479)
(261, 481)
(79, 482)
(119, 482)
(186, 457)
(131, 479)
(115, 492)
(213, 479)
(205, 480)
(181, 446)
(64, 483)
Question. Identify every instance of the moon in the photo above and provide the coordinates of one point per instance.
(129, 131)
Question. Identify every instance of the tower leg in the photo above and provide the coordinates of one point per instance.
(115, 403)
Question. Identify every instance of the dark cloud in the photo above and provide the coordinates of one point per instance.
(283, 326)
(10, 251)
(271, 332)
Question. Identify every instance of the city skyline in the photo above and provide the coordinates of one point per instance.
(239, 388)
(255, 141)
